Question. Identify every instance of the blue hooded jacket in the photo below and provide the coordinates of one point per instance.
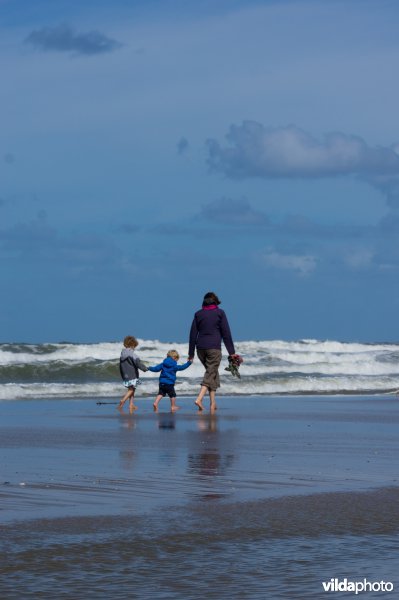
(168, 370)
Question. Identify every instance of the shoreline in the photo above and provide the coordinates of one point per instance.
(114, 399)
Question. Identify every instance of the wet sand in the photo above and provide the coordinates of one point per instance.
(77, 458)
(277, 548)
(266, 499)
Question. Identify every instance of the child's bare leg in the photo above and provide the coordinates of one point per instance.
(173, 406)
(132, 405)
(200, 397)
(125, 397)
(156, 402)
(212, 396)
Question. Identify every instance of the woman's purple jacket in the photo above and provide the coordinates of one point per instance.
(209, 328)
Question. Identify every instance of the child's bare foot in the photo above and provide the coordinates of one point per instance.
(174, 408)
(132, 408)
(199, 404)
(213, 408)
(155, 407)
(120, 405)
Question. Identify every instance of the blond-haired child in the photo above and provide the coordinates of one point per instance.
(167, 378)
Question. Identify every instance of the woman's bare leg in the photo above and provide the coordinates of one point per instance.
(212, 396)
(200, 397)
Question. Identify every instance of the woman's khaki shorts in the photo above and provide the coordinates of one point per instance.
(211, 360)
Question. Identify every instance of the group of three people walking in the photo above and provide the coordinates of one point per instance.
(209, 328)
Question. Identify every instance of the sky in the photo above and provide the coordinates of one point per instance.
(154, 150)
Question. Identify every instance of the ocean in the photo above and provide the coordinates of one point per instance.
(68, 370)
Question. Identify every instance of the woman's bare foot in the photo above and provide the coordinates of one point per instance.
(155, 407)
(120, 405)
(199, 404)
(174, 408)
(132, 408)
(213, 408)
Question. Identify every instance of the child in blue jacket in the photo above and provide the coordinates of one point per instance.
(167, 378)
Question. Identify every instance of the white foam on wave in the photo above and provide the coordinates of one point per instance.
(63, 352)
(106, 351)
(326, 346)
(297, 352)
(305, 358)
(295, 385)
(270, 366)
(25, 391)
(369, 368)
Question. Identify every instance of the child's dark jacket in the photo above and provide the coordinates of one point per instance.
(129, 364)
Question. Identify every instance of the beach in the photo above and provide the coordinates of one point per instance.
(267, 498)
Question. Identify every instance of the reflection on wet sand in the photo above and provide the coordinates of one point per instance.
(128, 453)
(166, 420)
(127, 458)
(210, 456)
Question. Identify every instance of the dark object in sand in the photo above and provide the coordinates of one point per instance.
(100, 403)
(234, 364)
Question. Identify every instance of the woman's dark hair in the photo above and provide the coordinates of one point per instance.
(210, 298)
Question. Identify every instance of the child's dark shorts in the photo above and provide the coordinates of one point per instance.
(167, 389)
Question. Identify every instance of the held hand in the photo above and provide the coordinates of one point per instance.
(190, 359)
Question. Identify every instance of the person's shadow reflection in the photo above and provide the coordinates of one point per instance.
(210, 457)
(127, 452)
(166, 420)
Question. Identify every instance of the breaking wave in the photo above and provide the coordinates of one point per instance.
(68, 370)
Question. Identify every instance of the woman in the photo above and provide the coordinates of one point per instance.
(209, 328)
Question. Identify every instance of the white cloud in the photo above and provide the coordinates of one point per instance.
(301, 264)
(254, 150)
(360, 258)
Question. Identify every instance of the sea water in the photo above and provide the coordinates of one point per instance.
(270, 367)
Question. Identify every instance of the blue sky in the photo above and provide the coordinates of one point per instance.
(151, 151)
